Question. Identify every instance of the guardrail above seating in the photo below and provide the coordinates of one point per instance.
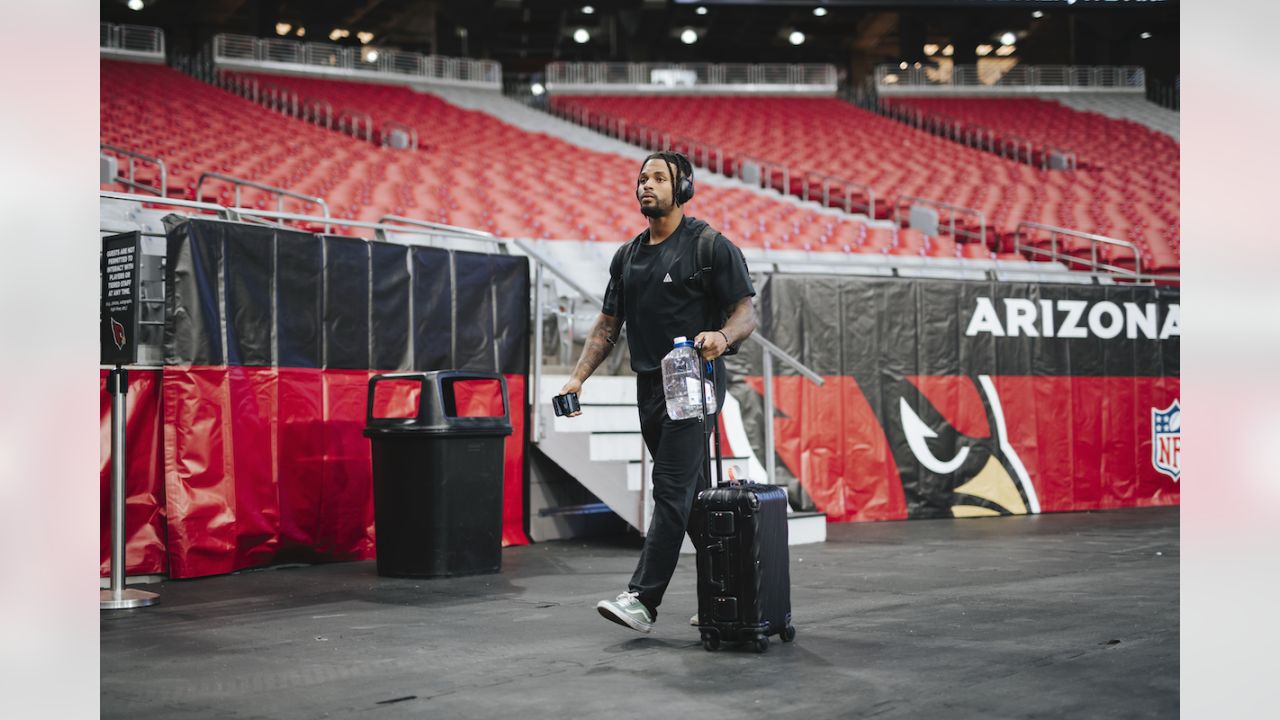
(689, 78)
(1018, 80)
(244, 52)
(131, 42)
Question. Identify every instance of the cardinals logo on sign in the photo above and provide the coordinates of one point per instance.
(1166, 440)
(117, 332)
(957, 463)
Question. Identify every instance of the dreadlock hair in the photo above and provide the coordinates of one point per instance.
(676, 163)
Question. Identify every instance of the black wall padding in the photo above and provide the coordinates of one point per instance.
(389, 321)
(193, 330)
(299, 299)
(291, 299)
(432, 309)
(248, 268)
(510, 276)
(346, 303)
(474, 340)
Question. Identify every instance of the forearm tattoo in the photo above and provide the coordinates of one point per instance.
(597, 347)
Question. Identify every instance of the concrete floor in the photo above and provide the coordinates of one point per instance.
(1071, 616)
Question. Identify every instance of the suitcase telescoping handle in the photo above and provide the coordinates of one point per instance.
(715, 428)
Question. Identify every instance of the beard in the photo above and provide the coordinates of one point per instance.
(656, 210)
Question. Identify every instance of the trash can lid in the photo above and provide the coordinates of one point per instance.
(435, 394)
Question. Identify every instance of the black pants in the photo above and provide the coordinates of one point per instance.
(677, 448)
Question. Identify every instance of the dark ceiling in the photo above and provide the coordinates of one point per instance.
(524, 35)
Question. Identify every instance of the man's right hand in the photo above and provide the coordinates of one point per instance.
(573, 386)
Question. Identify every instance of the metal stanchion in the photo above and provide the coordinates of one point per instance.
(117, 597)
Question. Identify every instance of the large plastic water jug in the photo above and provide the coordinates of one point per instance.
(680, 382)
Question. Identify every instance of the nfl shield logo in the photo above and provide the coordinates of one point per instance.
(1166, 440)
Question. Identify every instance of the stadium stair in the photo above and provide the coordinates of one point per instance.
(602, 450)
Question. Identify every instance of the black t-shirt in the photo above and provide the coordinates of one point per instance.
(659, 294)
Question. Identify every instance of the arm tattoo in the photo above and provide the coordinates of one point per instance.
(598, 346)
(741, 322)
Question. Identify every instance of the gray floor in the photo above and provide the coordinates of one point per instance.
(1072, 616)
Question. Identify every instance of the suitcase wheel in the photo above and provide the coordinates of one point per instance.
(788, 633)
(761, 644)
(710, 640)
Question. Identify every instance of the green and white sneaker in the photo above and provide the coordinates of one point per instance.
(628, 611)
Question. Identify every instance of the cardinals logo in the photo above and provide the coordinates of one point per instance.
(117, 333)
(957, 464)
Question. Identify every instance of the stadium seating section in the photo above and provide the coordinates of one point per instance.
(472, 170)
(1127, 186)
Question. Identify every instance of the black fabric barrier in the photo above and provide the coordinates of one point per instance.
(259, 296)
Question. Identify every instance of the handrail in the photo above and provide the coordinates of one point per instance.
(132, 182)
(957, 233)
(349, 121)
(527, 248)
(1094, 240)
(320, 58)
(135, 40)
(247, 214)
(281, 193)
(477, 234)
(410, 132)
(1021, 79)
(974, 135)
(311, 111)
(278, 98)
(692, 77)
(849, 185)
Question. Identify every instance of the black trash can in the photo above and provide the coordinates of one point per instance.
(437, 478)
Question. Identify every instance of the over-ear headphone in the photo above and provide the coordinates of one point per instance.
(683, 192)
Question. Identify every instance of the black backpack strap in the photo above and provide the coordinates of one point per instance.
(705, 252)
(705, 249)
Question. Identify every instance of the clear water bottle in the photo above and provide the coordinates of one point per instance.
(680, 382)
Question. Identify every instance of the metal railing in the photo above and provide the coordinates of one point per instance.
(328, 59)
(280, 193)
(312, 109)
(959, 232)
(410, 134)
(1023, 242)
(350, 122)
(131, 40)
(675, 77)
(1006, 145)
(1018, 79)
(279, 99)
(131, 180)
(848, 189)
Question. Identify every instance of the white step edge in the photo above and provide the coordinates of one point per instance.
(597, 390)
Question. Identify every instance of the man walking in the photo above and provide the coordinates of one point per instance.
(678, 278)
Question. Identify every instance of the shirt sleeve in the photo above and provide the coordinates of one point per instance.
(613, 295)
(731, 280)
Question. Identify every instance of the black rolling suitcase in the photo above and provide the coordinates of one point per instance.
(744, 579)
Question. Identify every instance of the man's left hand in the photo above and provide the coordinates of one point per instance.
(712, 343)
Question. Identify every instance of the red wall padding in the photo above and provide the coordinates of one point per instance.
(144, 476)
(1085, 441)
(262, 466)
